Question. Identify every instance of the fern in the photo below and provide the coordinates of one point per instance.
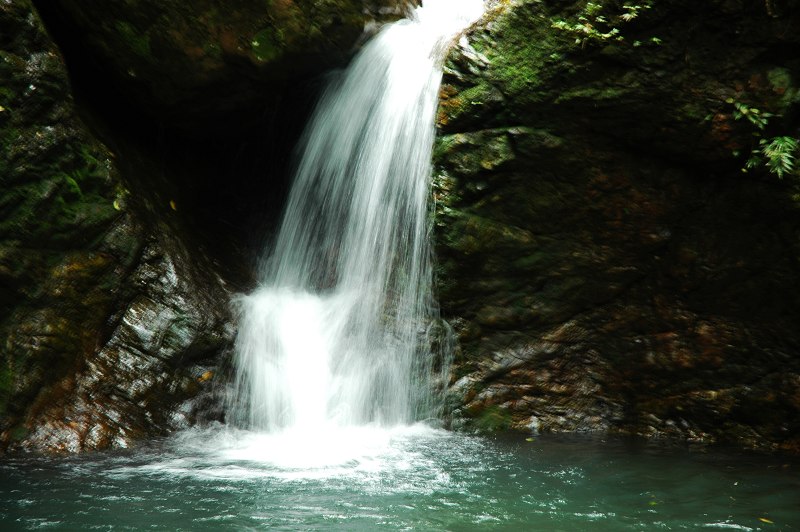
(779, 154)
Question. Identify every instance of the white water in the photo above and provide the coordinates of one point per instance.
(335, 336)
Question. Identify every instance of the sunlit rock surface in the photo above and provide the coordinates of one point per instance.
(604, 260)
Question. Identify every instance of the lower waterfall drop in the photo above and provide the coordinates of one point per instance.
(334, 335)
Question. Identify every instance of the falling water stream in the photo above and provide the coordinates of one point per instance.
(330, 416)
(335, 338)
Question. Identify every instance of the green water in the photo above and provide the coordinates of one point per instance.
(403, 479)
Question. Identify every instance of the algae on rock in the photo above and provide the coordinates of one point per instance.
(79, 270)
(605, 263)
(116, 258)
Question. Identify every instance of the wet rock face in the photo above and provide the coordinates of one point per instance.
(116, 259)
(605, 262)
(152, 374)
(180, 61)
(105, 327)
(203, 102)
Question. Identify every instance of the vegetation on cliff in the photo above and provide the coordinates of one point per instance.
(115, 254)
(618, 224)
(607, 264)
(99, 339)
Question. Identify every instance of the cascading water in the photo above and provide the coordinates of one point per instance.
(334, 336)
(329, 359)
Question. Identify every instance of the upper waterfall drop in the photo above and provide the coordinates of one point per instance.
(335, 333)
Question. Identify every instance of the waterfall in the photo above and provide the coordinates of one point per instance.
(335, 334)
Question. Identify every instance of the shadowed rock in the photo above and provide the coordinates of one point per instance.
(605, 262)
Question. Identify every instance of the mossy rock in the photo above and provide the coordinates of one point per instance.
(72, 260)
(603, 258)
(492, 419)
(164, 54)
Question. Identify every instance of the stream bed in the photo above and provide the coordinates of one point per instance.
(406, 478)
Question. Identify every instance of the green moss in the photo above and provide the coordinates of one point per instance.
(137, 42)
(7, 136)
(466, 103)
(64, 208)
(519, 57)
(469, 234)
(18, 433)
(473, 153)
(444, 145)
(780, 78)
(6, 383)
(529, 56)
(592, 93)
(493, 419)
(267, 45)
(781, 82)
(6, 96)
(694, 112)
(533, 262)
(72, 186)
(213, 50)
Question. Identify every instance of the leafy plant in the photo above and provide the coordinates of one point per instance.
(753, 115)
(594, 24)
(777, 154)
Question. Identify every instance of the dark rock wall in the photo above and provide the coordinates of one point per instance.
(203, 102)
(117, 259)
(606, 264)
(101, 335)
(604, 260)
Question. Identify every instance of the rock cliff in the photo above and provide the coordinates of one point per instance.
(606, 263)
(617, 226)
(118, 256)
